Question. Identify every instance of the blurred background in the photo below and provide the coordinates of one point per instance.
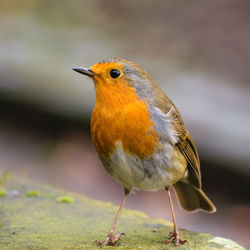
(198, 51)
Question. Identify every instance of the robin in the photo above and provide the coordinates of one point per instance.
(141, 139)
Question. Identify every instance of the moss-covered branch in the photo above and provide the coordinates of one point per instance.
(47, 220)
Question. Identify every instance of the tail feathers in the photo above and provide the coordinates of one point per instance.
(191, 198)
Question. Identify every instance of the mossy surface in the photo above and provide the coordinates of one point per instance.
(65, 199)
(43, 223)
(33, 193)
(2, 192)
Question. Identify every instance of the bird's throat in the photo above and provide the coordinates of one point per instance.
(120, 116)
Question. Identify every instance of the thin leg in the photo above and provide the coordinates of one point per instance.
(172, 210)
(111, 238)
(118, 213)
(174, 237)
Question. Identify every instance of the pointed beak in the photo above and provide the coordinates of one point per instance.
(84, 71)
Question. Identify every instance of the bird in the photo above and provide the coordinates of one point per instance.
(141, 139)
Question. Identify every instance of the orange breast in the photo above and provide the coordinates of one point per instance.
(120, 116)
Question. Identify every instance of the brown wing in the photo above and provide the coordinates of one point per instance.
(185, 142)
(187, 147)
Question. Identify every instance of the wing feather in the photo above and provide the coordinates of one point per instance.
(185, 142)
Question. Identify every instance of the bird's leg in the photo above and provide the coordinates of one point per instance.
(174, 236)
(111, 238)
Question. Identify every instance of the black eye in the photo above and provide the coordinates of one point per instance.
(114, 73)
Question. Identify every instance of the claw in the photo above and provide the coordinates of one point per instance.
(110, 240)
(122, 234)
(175, 238)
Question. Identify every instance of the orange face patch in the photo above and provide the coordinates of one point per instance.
(102, 71)
(120, 116)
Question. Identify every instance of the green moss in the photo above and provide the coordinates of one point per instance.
(65, 199)
(33, 193)
(46, 224)
(2, 192)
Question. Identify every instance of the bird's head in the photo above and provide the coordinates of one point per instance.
(121, 75)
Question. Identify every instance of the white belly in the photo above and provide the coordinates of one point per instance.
(148, 174)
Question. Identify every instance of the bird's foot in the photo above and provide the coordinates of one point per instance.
(175, 238)
(110, 240)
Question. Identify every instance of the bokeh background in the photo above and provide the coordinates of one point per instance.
(198, 51)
